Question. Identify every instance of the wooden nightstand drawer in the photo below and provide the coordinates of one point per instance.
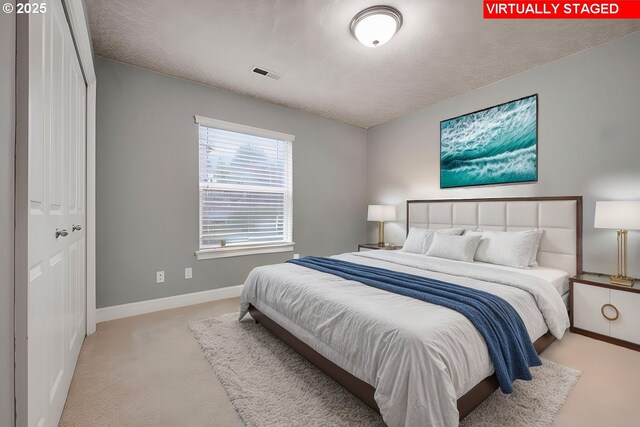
(604, 311)
(587, 303)
(627, 326)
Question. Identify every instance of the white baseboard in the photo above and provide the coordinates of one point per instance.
(142, 307)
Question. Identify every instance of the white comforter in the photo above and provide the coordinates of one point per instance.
(419, 357)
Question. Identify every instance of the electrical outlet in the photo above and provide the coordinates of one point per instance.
(159, 276)
(188, 273)
(296, 256)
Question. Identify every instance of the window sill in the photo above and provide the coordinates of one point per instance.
(244, 250)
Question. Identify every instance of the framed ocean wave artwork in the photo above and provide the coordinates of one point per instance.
(497, 145)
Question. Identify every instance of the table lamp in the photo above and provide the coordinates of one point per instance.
(621, 216)
(381, 213)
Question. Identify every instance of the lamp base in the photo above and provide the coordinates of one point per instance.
(622, 280)
(381, 234)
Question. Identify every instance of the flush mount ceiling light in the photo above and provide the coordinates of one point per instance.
(376, 25)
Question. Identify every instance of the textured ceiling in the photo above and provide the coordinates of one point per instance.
(444, 48)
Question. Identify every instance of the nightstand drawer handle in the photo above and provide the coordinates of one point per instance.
(607, 317)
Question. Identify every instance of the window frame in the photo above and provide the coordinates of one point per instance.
(251, 249)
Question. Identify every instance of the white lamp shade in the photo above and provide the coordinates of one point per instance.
(381, 213)
(624, 215)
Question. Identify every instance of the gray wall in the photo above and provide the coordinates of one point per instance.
(7, 145)
(147, 183)
(589, 142)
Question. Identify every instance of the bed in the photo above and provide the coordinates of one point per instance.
(417, 363)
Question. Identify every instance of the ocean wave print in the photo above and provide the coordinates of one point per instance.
(493, 146)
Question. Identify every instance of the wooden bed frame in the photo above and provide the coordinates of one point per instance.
(364, 391)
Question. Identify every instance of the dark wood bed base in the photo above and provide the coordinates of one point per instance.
(364, 391)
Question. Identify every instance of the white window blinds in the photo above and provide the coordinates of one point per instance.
(245, 186)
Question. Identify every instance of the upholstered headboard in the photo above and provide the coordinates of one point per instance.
(559, 217)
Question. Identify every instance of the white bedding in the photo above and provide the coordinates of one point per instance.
(558, 278)
(419, 357)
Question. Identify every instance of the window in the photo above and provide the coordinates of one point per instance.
(245, 190)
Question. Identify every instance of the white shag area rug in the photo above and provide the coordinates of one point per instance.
(271, 385)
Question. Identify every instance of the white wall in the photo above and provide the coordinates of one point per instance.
(7, 145)
(588, 143)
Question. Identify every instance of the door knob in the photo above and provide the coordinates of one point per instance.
(76, 228)
(62, 233)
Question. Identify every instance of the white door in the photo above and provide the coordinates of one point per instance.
(56, 187)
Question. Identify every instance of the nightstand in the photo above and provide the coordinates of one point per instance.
(604, 311)
(375, 247)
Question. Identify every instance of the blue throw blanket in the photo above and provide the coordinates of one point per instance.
(510, 347)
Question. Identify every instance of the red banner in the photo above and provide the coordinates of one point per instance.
(545, 9)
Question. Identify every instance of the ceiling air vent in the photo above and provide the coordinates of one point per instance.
(265, 72)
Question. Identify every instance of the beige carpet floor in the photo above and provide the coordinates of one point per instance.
(271, 385)
(149, 371)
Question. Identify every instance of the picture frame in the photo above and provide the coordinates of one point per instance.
(496, 145)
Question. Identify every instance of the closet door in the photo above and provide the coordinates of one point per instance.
(56, 214)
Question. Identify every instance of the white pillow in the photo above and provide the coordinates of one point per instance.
(415, 240)
(533, 261)
(419, 239)
(428, 241)
(517, 249)
(461, 248)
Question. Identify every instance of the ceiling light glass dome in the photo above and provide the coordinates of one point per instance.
(376, 25)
